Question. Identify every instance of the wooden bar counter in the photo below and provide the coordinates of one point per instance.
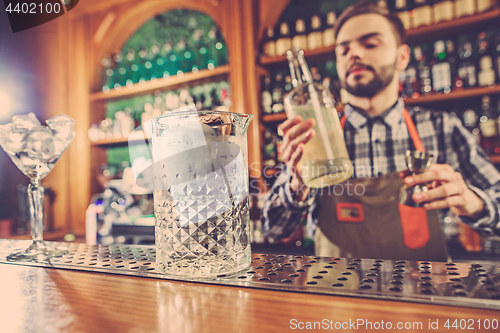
(37, 299)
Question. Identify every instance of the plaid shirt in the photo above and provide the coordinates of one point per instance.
(377, 146)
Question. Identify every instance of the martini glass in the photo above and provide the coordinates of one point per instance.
(35, 149)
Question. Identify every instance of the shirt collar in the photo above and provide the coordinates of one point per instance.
(358, 117)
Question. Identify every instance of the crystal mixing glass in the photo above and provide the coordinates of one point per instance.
(35, 149)
(201, 188)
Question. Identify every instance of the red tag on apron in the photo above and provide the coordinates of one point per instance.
(414, 225)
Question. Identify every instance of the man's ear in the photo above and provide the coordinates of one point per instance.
(403, 57)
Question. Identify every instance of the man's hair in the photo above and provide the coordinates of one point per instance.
(366, 7)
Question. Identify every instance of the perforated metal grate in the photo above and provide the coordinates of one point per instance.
(458, 284)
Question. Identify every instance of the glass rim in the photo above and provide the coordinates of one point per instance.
(202, 112)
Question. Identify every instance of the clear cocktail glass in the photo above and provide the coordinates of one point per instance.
(35, 149)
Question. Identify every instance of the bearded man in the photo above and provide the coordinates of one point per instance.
(379, 130)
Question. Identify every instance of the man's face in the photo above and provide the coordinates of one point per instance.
(367, 55)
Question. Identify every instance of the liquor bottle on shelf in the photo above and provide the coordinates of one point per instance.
(278, 94)
(220, 46)
(421, 13)
(401, 8)
(194, 46)
(488, 126)
(166, 65)
(288, 84)
(107, 74)
(284, 42)
(485, 5)
(470, 121)
(315, 36)
(496, 49)
(410, 82)
(268, 43)
(443, 10)
(328, 33)
(152, 70)
(212, 50)
(300, 38)
(441, 69)
(120, 73)
(464, 8)
(486, 74)
(180, 50)
(142, 64)
(466, 67)
(128, 63)
(269, 151)
(423, 69)
(452, 58)
(267, 98)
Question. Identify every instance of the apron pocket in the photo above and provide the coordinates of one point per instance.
(414, 225)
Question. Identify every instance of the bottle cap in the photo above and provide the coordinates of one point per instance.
(300, 26)
(331, 18)
(284, 30)
(315, 22)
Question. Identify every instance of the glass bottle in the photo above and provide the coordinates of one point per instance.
(442, 11)
(470, 120)
(486, 74)
(325, 160)
(107, 74)
(441, 70)
(464, 8)
(421, 13)
(328, 33)
(300, 38)
(496, 50)
(488, 126)
(278, 93)
(466, 66)
(284, 42)
(315, 36)
(424, 70)
(268, 43)
(402, 11)
(266, 96)
(128, 62)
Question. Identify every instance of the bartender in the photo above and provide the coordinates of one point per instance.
(378, 130)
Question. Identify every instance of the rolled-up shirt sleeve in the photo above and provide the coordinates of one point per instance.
(282, 214)
(480, 175)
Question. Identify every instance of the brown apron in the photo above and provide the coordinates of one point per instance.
(361, 218)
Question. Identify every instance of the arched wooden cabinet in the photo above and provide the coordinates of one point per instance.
(93, 30)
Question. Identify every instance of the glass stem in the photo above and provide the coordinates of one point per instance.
(35, 194)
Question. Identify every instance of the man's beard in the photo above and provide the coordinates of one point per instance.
(379, 82)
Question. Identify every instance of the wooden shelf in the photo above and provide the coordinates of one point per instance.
(274, 117)
(454, 95)
(485, 20)
(313, 55)
(204, 75)
(495, 159)
(116, 142)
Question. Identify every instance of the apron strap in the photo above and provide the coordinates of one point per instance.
(412, 130)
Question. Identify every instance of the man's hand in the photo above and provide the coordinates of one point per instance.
(447, 189)
(296, 133)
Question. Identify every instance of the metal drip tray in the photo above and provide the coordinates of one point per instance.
(458, 284)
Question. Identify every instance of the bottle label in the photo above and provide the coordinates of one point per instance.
(328, 37)
(267, 101)
(422, 16)
(484, 5)
(498, 68)
(443, 11)
(441, 76)
(314, 40)
(282, 45)
(269, 49)
(486, 77)
(488, 128)
(405, 19)
(464, 8)
(300, 41)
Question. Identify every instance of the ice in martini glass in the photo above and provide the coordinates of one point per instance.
(35, 149)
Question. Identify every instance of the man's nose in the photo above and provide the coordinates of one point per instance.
(356, 51)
